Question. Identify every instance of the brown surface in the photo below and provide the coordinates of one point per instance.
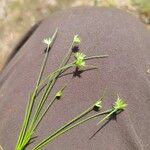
(103, 31)
(16, 16)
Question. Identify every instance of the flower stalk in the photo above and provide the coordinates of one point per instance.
(51, 81)
(119, 102)
(62, 129)
(32, 96)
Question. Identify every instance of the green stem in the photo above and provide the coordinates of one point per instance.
(57, 134)
(72, 121)
(106, 117)
(62, 66)
(58, 70)
(32, 97)
(41, 117)
(66, 59)
(64, 62)
(30, 132)
(78, 117)
(69, 53)
(47, 90)
(94, 57)
(50, 84)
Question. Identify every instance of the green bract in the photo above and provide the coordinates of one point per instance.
(119, 104)
(80, 59)
(76, 40)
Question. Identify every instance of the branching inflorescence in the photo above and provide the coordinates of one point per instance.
(30, 124)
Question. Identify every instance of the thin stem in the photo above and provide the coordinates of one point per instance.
(47, 90)
(41, 117)
(58, 70)
(50, 85)
(33, 95)
(72, 121)
(45, 94)
(64, 62)
(98, 56)
(69, 53)
(112, 112)
(47, 108)
(90, 67)
(45, 59)
(51, 138)
(66, 59)
(37, 123)
(78, 117)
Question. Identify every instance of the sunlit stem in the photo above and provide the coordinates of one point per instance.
(51, 81)
(56, 71)
(78, 117)
(57, 134)
(46, 92)
(33, 95)
(45, 111)
(69, 53)
(94, 57)
(107, 116)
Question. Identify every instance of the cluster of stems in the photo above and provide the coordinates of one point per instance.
(33, 118)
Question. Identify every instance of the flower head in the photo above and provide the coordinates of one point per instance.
(47, 41)
(119, 104)
(59, 92)
(80, 59)
(76, 40)
(98, 104)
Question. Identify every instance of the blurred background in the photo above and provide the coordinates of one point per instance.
(17, 16)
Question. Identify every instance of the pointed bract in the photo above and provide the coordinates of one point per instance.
(119, 104)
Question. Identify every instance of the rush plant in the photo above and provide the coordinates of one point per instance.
(32, 119)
